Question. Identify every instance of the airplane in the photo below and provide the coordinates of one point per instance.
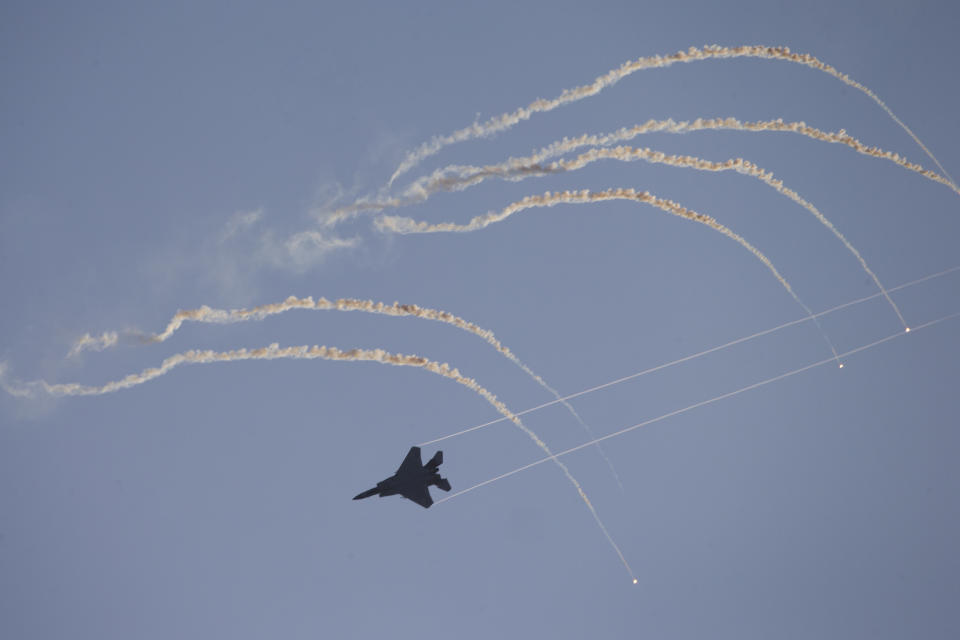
(412, 479)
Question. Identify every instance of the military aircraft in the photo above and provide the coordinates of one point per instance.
(412, 479)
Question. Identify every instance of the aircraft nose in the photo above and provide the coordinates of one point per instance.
(365, 494)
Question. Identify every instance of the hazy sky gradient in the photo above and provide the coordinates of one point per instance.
(159, 158)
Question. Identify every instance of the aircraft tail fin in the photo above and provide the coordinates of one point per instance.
(444, 484)
(436, 460)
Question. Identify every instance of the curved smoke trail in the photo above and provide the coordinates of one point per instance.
(209, 315)
(303, 352)
(745, 167)
(400, 224)
(508, 120)
(514, 171)
(459, 177)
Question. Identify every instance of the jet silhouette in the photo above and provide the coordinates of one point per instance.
(412, 479)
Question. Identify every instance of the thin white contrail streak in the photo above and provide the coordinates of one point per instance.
(304, 352)
(699, 354)
(700, 404)
(508, 120)
(209, 315)
(401, 224)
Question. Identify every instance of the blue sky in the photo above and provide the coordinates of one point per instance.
(164, 158)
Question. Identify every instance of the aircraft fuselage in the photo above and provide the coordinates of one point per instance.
(411, 480)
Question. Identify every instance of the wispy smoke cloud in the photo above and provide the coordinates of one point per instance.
(304, 250)
(87, 342)
(239, 222)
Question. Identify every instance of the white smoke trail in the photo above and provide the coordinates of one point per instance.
(303, 352)
(15, 390)
(745, 167)
(697, 405)
(88, 342)
(209, 315)
(459, 177)
(626, 134)
(399, 224)
(511, 170)
(508, 120)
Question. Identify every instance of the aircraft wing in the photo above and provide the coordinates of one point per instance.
(420, 495)
(411, 463)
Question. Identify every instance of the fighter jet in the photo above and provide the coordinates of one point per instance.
(412, 479)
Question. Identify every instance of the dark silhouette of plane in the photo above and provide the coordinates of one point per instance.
(412, 479)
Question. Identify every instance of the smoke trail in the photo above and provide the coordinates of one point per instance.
(732, 124)
(514, 170)
(459, 177)
(508, 120)
(208, 315)
(745, 167)
(401, 224)
(697, 405)
(88, 342)
(18, 390)
(626, 134)
(303, 352)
